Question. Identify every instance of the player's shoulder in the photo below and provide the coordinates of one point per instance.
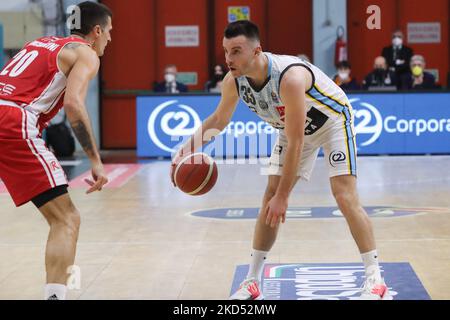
(78, 52)
(229, 85)
(82, 51)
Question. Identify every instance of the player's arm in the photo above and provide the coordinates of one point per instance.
(84, 70)
(214, 124)
(218, 120)
(292, 92)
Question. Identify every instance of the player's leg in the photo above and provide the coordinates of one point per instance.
(64, 221)
(345, 193)
(32, 173)
(340, 150)
(264, 236)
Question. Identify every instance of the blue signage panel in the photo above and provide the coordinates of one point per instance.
(384, 123)
(164, 123)
(411, 123)
(331, 281)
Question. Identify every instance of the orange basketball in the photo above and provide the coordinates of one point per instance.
(196, 174)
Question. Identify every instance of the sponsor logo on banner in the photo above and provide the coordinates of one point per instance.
(384, 123)
(165, 124)
(370, 124)
(368, 121)
(315, 212)
(335, 281)
(174, 120)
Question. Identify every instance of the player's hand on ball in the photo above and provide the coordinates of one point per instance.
(99, 178)
(176, 159)
(276, 211)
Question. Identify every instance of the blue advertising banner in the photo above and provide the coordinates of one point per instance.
(165, 123)
(414, 123)
(331, 281)
(388, 123)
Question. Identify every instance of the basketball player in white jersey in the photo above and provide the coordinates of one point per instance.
(47, 74)
(311, 112)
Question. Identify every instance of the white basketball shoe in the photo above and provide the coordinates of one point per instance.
(248, 290)
(374, 289)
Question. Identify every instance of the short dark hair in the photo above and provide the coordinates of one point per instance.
(344, 65)
(92, 14)
(242, 28)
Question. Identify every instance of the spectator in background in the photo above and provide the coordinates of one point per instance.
(170, 84)
(344, 78)
(418, 78)
(381, 76)
(215, 83)
(398, 56)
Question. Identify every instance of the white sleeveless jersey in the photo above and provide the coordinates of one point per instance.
(324, 100)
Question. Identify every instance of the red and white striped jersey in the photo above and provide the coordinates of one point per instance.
(32, 79)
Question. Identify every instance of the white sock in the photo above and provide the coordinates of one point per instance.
(55, 291)
(370, 260)
(257, 264)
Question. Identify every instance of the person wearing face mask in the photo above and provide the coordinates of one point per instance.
(397, 55)
(344, 79)
(381, 77)
(418, 78)
(214, 85)
(170, 84)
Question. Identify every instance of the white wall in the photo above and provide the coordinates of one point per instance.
(14, 5)
(327, 16)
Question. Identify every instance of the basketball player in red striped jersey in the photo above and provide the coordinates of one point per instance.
(46, 75)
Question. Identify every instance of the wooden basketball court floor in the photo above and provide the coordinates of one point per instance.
(140, 242)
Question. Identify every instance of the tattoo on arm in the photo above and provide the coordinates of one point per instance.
(72, 45)
(83, 136)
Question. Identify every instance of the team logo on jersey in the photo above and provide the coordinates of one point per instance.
(278, 149)
(274, 97)
(281, 112)
(54, 165)
(6, 89)
(263, 105)
(337, 157)
(175, 120)
(314, 121)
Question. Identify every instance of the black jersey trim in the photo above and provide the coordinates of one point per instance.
(262, 86)
(297, 65)
(49, 195)
(237, 86)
